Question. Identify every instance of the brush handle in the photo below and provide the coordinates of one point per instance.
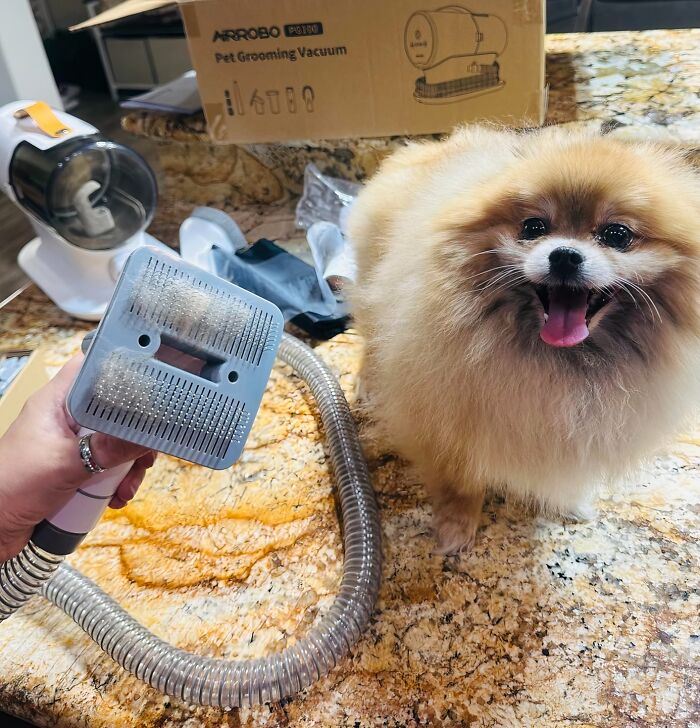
(63, 532)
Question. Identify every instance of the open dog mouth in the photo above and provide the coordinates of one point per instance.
(568, 313)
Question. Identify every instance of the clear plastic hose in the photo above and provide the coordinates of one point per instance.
(22, 577)
(233, 683)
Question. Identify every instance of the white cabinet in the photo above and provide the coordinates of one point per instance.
(171, 58)
(129, 62)
(138, 58)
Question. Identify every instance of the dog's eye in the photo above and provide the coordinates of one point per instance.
(615, 235)
(533, 228)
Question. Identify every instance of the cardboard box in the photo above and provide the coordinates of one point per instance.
(310, 69)
(33, 376)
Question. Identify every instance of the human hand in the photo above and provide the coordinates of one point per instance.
(40, 466)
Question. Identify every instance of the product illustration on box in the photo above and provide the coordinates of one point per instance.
(457, 50)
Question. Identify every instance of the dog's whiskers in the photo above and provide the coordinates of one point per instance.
(653, 309)
(483, 252)
(621, 284)
(510, 270)
(512, 283)
(490, 270)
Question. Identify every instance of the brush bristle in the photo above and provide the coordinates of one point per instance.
(122, 382)
(138, 391)
(191, 309)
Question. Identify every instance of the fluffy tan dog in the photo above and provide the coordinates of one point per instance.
(530, 304)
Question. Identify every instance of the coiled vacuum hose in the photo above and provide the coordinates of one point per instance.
(233, 683)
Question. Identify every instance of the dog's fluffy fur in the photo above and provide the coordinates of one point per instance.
(455, 371)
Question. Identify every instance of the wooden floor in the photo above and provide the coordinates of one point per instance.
(15, 230)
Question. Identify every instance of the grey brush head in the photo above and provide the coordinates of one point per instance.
(179, 362)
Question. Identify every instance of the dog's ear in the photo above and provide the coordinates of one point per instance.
(692, 156)
(525, 130)
(654, 135)
(521, 135)
(609, 126)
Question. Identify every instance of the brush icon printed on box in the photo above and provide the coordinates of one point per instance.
(457, 50)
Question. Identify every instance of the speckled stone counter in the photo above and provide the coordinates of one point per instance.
(542, 625)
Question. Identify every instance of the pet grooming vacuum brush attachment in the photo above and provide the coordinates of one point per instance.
(179, 363)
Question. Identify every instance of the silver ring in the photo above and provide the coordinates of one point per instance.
(86, 455)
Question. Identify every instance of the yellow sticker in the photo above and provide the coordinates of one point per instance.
(42, 115)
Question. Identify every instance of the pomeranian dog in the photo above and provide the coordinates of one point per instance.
(530, 305)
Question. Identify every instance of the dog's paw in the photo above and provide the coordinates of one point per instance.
(361, 393)
(582, 512)
(454, 535)
(455, 523)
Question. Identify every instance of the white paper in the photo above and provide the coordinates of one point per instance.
(332, 253)
(180, 96)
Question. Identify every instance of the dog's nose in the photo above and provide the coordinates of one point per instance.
(565, 261)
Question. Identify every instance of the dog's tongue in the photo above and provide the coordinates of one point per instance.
(566, 323)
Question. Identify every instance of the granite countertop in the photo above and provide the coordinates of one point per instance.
(543, 624)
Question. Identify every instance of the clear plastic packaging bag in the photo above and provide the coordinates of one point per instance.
(325, 199)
